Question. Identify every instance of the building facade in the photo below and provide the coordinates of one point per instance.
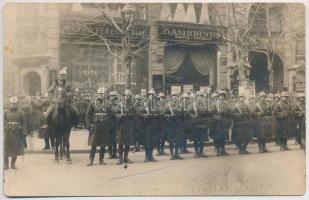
(173, 47)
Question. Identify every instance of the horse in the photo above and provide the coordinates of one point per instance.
(60, 121)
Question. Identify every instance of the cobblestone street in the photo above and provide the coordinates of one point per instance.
(275, 173)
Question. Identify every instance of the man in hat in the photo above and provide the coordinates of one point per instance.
(242, 133)
(221, 112)
(263, 114)
(15, 127)
(299, 113)
(99, 125)
(282, 113)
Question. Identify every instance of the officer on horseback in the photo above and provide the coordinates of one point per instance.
(61, 82)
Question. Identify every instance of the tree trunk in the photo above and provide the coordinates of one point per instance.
(270, 73)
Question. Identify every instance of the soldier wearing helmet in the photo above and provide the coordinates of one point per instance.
(220, 110)
(299, 114)
(200, 124)
(263, 115)
(282, 113)
(151, 127)
(241, 131)
(126, 132)
(98, 123)
(162, 135)
(15, 128)
(53, 91)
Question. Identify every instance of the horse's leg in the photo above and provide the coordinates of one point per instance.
(56, 150)
(61, 147)
(67, 145)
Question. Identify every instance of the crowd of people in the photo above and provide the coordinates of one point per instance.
(118, 122)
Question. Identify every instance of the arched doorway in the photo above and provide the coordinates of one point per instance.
(32, 83)
(259, 72)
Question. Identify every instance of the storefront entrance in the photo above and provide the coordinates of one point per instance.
(32, 84)
(189, 67)
(259, 72)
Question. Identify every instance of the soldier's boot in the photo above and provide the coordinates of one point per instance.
(92, 154)
(222, 147)
(114, 151)
(260, 147)
(177, 156)
(120, 160)
(196, 155)
(244, 148)
(281, 145)
(13, 161)
(185, 150)
(101, 157)
(264, 147)
(238, 144)
(217, 146)
(162, 147)
(126, 154)
(158, 150)
(46, 147)
(110, 152)
(6, 163)
(151, 158)
(277, 142)
(146, 154)
(172, 157)
(201, 150)
(285, 145)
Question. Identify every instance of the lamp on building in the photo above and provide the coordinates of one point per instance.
(76, 8)
(127, 14)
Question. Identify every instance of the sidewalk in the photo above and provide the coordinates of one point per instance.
(78, 143)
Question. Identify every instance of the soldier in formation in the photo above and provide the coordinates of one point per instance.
(98, 123)
(152, 120)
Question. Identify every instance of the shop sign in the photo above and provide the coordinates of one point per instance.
(191, 32)
(175, 89)
(187, 88)
(205, 88)
(102, 29)
(300, 87)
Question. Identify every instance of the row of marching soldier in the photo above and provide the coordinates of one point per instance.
(151, 120)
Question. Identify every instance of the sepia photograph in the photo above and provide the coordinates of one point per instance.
(126, 99)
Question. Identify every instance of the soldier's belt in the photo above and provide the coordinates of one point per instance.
(100, 116)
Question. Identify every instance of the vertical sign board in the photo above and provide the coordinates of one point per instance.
(157, 83)
(143, 92)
